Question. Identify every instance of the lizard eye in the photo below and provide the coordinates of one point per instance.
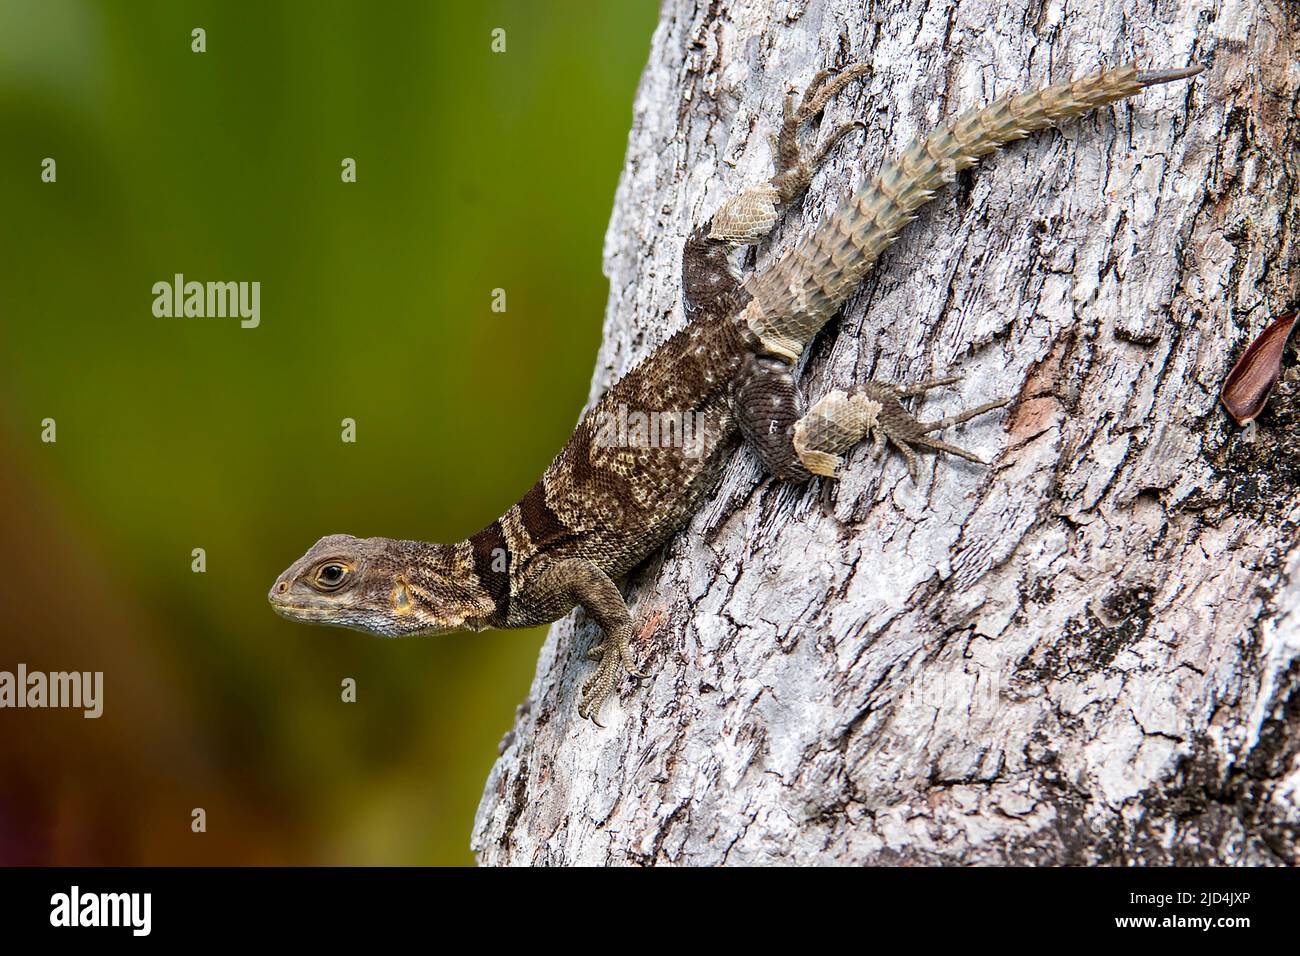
(330, 576)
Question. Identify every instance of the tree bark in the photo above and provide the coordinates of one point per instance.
(1088, 652)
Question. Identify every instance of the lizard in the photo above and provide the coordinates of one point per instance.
(604, 505)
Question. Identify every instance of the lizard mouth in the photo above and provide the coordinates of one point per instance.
(300, 612)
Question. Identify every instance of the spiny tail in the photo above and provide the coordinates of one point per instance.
(795, 297)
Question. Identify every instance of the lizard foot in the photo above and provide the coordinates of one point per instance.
(751, 214)
(794, 172)
(615, 657)
(840, 420)
(897, 426)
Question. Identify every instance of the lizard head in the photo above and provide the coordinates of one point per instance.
(379, 585)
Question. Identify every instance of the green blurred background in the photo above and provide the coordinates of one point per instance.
(475, 171)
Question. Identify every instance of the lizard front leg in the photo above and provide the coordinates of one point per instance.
(571, 581)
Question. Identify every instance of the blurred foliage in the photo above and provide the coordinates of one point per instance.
(476, 171)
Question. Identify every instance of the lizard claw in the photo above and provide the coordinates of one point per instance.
(615, 656)
(597, 687)
(898, 427)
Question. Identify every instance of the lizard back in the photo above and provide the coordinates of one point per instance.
(640, 461)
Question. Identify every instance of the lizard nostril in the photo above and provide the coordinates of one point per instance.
(282, 586)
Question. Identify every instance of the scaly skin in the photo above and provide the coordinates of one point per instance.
(609, 500)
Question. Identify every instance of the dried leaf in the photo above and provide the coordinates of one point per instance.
(1245, 391)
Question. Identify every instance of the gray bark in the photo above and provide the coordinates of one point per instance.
(1088, 652)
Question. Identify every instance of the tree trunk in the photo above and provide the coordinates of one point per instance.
(1088, 652)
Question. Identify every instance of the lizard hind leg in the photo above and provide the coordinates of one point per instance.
(840, 420)
(767, 405)
(835, 424)
(793, 173)
(747, 217)
(714, 252)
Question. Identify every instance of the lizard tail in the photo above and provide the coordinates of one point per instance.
(795, 297)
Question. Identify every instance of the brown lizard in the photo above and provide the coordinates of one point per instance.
(614, 495)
